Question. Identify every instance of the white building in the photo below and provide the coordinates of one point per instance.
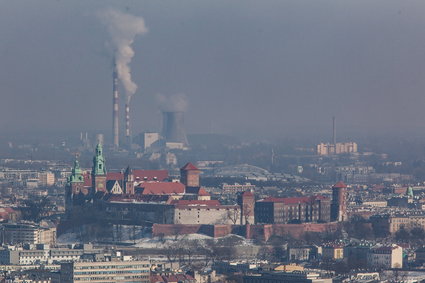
(386, 257)
(149, 139)
(125, 270)
(205, 212)
(338, 148)
(28, 234)
(43, 254)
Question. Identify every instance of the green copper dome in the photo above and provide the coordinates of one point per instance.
(99, 162)
(77, 173)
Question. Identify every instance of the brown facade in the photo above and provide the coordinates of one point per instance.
(339, 202)
(99, 183)
(189, 175)
(246, 201)
(292, 210)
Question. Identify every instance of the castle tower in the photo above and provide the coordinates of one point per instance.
(99, 170)
(189, 175)
(246, 201)
(74, 186)
(339, 202)
(76, 180)
(129, 181)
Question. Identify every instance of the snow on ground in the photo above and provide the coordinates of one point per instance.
(142, 238)
(163, 242)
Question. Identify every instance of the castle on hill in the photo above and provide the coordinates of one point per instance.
(147, 196)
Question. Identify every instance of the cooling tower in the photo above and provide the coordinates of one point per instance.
(173, 127)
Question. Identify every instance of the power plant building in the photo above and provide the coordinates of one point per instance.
(148, 140)
(337, 148)
(173, 130)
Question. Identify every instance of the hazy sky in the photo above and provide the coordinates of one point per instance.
(268, 67)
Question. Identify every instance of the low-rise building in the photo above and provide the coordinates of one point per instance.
(118, 270)
(42, 254)
(298, 254)
(392, 223)
(28, 234)
(386, 257)
(333, 252)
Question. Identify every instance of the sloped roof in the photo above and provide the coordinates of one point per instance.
(203, 192)
(111, 183)
(114, 176)
(189, 166)
(141, 175)
(339, 185)
(162, 188)
(150, 175)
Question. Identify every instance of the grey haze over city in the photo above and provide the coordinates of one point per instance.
(272, 68)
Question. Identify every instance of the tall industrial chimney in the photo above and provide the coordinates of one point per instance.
(333, 131)
(127, 125)
(115, 109)
(173, 127)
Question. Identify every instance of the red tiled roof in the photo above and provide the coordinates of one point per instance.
(203, 192)
(339, 185)
(5, 212)
(189, 166)
(160, 175)
(114, 176)
(294, 200)
(161, 188)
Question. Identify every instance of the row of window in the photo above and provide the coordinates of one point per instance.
(111, 266)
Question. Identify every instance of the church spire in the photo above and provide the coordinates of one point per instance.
(77, 173)
(99, 162)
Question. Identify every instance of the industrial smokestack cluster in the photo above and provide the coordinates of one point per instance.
(115, 109)
(122, 28)
(173, 127)
(127, 124)
(115, 115)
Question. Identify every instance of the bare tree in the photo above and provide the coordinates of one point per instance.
(171, 252)
(233, 215)
(246, 211)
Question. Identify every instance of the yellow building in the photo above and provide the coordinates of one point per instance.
(333, 252)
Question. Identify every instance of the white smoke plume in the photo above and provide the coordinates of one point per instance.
(123, 28)
(173, 103)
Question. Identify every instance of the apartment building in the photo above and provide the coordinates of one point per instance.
(118, 270)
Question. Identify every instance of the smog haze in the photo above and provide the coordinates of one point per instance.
(272, 68)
